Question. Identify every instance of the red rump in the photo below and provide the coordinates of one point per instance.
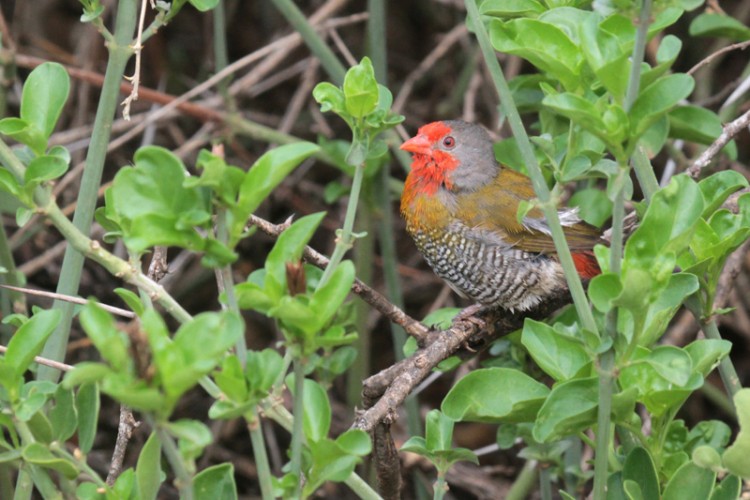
(586, 265)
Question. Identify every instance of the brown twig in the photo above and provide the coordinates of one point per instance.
(729, 48)
(387, 462)
(369, 295)
(730, 130)
(125, 429)
(67, 298)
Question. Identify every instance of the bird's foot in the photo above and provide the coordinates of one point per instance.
(469, 314)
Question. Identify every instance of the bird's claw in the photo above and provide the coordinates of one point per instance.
(469, 314)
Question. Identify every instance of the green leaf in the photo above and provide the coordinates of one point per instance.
(717, 187)
(330, 98)
(418, 445)
(192, 437)
(44, 94)
(153, 209)
(719, 25)
(87, 404)
(656, 99)
(355, 442)
(327, 300)
(569, 408)
(695, 124)
(289, 247)
(131, 299)
(728, 489)
(204, 5)
(561, 357)
(263, 177)
(593, 204)
(438, 431)
(317, 418)
(63, 415)
(690, 481)
(148, 471)
(706, 354)
(38, 454)
(112, 344)
(511, 8)
(216, 481)
(543, 44)
(8, 182)
(639, 467)
(44, 168)
(25, 133)
(263, 368)
(495, 395)
(29, 340)
(361, 89)
(329, 463)
(737, 457)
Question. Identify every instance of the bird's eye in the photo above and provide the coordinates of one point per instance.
(449, 142)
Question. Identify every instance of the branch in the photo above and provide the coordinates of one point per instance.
(385, 391)
(730, 130)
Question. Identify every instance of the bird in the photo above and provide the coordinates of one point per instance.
(460, 206)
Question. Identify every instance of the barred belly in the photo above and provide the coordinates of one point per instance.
(492, 274)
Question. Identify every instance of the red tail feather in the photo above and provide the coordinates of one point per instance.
(586, 264)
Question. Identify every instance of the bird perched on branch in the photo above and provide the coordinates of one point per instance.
(460, 207)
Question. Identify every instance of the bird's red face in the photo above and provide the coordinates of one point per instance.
(432, 161)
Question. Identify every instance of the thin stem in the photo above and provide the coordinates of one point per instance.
(183, 478)
(226, 283)
(82, 465)
(545, 481)
(221, 59)
(537, 178)
(524, 482)
(70, 277)
(643, 169)
(261, 458)
(726, 368)
(297, 430)
(317, 46)
(345, 240)
(440, 487)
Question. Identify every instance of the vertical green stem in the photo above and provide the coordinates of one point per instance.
(220, 46)
(726, 368)
(537, 178)
(440, 486)
(524, 482)
(545, 481)
(345, 239)
(261, 458)
(363, 262)
(298, 409)
(183, 479)
(226, 283)
(70, 277)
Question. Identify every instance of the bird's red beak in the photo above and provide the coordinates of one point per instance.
(419, 144)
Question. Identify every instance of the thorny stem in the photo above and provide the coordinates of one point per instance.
(540, 187)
